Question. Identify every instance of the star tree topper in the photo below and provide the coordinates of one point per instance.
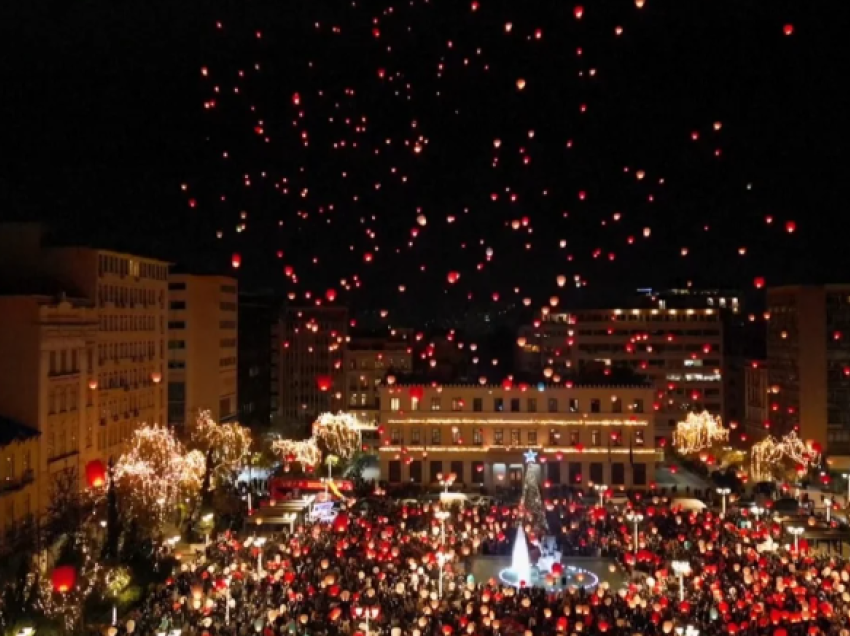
(530, 456)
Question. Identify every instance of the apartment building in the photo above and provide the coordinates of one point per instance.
(585, 435)
(808, 365)
(203, 325)
(128, 294)
(679, 350)
(310, 375)
(757, 410)
(19, 447)
(50, 370)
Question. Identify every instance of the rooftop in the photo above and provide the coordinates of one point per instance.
(13, 431)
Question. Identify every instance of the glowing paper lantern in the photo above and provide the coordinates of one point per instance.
(324, 382)
(95, 473)
(63, 578)
(520, 84)
(236, 260)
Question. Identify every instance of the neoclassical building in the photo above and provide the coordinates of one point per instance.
(583, 434)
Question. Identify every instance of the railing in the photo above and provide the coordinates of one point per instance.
(16, 483)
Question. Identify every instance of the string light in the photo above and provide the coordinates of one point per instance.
(698, 432)
(766, 455)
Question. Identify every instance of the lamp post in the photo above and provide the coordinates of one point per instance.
(757, 511)
(442, 515)
(723, 492)
(796, 531)
(847, 477)
(828, 503)
(442, 557)
(601, 489)
(681, 568)
(227, 601)
(260, 542)
(368, 612)
(207, 519)
(635, 518)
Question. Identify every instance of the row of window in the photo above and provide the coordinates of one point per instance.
(513, 476)
(136, 351)
(556, 437)
(573, 405)
(129, 323)
(8, 469)
(62, 399)
(122, 296)
(379, 363)
(65, 361)
(227, 362)
(130, 267)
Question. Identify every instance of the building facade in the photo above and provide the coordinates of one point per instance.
(757, 390)
(679, 350)
(585, 435)
(50, 370)
(202, 347)
(19, 497)
(129, 294)
(311, 374)
(808, 362)
(254, 376)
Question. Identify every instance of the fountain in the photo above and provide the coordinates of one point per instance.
(522, 573)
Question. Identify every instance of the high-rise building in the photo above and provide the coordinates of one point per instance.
(756, 422)
(257, 314)
(310, 360)
(368, 361)
(680, 350)
(128, 294)
(202, 347)
(481, 434)
(808, 363)
(50, 371)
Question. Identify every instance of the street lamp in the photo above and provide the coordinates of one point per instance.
(756, 510)
(723, 492)
(207, 520)
(442, 558)
(368, 612)
(681, 568)
(847, 477)
(227, 600)
(260, 542)
(828, 503)
(442, 515)
(635, 518)
(796, 531)
(601, 489)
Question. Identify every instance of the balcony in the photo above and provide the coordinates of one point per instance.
(16, 483)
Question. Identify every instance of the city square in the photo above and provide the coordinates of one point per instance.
(424, 318)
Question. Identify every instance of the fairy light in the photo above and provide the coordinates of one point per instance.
(767, 453)
(227, 445)
(156, 472)
(338, 433)
(305, 452)
(699, 431)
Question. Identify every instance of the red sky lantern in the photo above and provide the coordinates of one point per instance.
(788, 29)
(324, 382)
(758, 281)
(340, 522)
(236, 260)
(790, 227)
(416, 393)
(63, 578)
(95, 473)
(453, 277)
(330, 295)
(578, 11)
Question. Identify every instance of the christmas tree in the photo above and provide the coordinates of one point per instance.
(532, 502)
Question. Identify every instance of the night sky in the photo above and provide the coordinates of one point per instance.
(105, 122)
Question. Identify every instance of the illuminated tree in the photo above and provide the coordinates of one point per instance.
(767, 456)
(337, 434)
(304, 452)
(155, 474)
(699, 431)
(225, 448)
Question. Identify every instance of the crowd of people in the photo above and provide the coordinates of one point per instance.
(376, 570)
